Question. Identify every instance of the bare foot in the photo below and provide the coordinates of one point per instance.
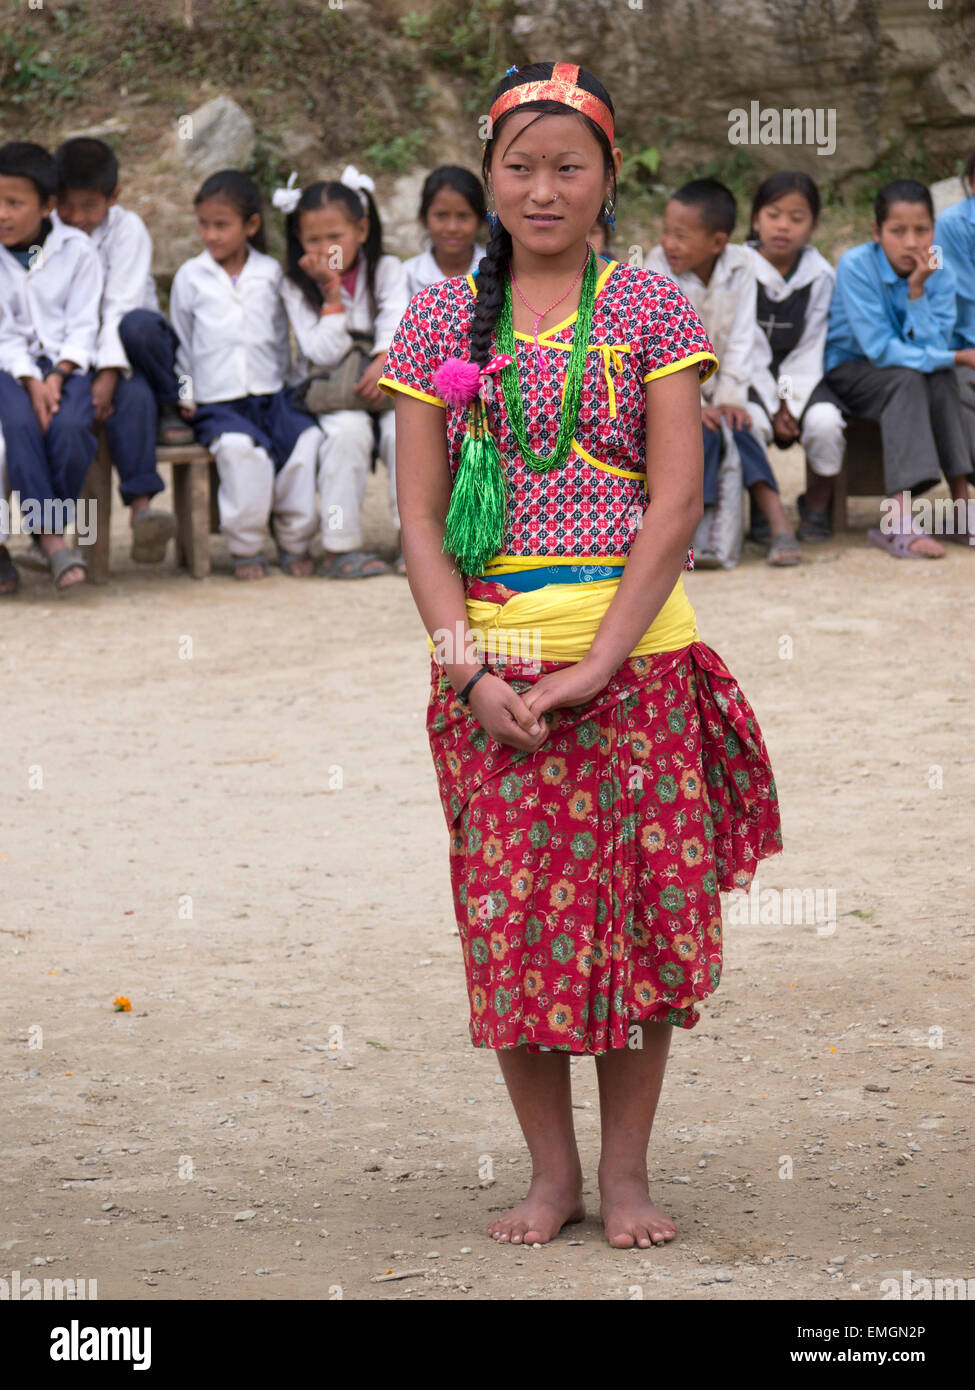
(254, 571)
(302, 567)
(924, 545)
(551, 1203)
(629, 1216)
(75, 575)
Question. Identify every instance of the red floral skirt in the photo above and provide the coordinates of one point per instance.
(586, 875)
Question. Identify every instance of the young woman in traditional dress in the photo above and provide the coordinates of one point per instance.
(601, 773)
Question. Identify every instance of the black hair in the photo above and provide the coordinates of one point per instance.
(462, 181)
(241, 193)
(969, 172)
(900, 191)
(19, 159)
(778, 185)
(85, 163)
(315, 196)
(715, 204)
(492, 269)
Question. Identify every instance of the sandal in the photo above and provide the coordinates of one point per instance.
(9, 573)
(898, 544)
(63, 560)
(399, 564)
(783, 549)
(151, 533)
(813, 525)
(287, 559)
(242, 561)
(172, 428)
(351, 564)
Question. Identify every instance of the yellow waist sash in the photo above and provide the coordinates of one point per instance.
(558, 623)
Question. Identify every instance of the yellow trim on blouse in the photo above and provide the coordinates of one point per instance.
(389, 385)
(509, 564)
(684, 361)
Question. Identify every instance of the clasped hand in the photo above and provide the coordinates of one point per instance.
(521, 721)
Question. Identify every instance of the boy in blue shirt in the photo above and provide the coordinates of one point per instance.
(954, 234)
(889, 358)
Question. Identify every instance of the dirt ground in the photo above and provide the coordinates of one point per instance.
(218, 801)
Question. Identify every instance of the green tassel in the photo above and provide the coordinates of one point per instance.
(478, 511)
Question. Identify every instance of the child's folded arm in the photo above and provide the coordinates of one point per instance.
(181, 317)
(931, 317)
(869, 323)
(733, 376)
(322, 339)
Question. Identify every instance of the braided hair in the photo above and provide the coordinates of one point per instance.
(492, 270)
(315, 196)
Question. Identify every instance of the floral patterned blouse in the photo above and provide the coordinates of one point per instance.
(591, 507)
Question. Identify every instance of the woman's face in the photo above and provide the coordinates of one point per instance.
(548, 179)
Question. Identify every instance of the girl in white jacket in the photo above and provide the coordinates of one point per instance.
(338, 281)
(235, 360)
(787, 399)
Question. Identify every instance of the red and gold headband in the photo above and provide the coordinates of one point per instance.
(562, 86)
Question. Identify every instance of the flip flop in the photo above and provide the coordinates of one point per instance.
(783, 549)
(898, 544)
(8, 572)
(813, 525)
(351, 564)
(287, 558)
(63, 560)
(151, 533)
(239, 562)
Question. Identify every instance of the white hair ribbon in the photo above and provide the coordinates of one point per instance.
(353, 179)
(288, 197)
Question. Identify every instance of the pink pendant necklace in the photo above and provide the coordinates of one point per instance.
(540, 315)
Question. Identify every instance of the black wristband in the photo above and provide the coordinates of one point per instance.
(57, 371)
(465, 694)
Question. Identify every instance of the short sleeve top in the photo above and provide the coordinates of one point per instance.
(591, 507)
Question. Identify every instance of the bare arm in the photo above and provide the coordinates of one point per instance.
(675, 465)
(423, 487)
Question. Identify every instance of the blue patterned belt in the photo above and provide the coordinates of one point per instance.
(526, 580)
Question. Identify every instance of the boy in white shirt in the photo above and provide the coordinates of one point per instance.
(125, 387)
(719, 280)
(50, 288)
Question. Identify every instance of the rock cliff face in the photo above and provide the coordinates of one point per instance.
(892, 71)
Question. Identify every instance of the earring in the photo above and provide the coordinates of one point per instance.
(493, 219)
(610, 214)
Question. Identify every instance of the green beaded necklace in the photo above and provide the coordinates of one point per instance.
(572, 390)
(477, 515)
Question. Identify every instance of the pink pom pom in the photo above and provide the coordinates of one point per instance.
(455, 381)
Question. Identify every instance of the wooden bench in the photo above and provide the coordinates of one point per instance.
(195, 485)
(862, 474)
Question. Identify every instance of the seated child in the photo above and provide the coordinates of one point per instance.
(889, 358)
(338, 281)
(233, 335)
(50, 288)
(787, 399)
(954, 233)
(124, 399)
(719, 281)
(452, 211)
